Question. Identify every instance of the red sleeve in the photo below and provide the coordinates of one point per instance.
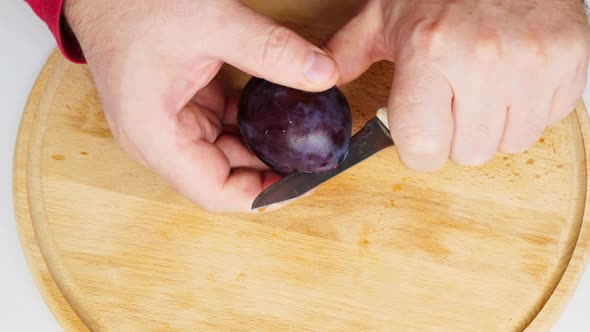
(50, 11)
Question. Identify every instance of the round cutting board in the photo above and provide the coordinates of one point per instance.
(378, 248)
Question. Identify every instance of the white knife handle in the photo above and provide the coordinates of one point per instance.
(382, 116)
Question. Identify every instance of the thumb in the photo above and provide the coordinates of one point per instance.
(261, 47)
(358, 44)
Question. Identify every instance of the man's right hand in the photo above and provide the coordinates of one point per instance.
(153, 62)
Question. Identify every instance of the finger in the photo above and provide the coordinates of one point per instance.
(479, 125)
(261, 47)
(211, 97)
(526, 121)
(356, 45)
(230, 117)
(202, 172)
(231, 143)
(238, 154)
(420, 116)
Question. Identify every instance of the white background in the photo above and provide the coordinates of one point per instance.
(25, 44)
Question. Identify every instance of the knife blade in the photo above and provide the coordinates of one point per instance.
(370, 139)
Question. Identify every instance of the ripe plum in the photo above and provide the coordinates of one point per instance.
(293, 130)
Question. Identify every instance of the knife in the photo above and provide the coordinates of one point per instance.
(372, 138)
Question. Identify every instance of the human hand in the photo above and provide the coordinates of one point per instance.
(471, 77)
(153, 62)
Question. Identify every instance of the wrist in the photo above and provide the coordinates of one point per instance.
(71, 18)
(79, 17)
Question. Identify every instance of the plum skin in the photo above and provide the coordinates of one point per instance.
(292, 130)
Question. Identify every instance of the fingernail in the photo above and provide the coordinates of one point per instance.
(318, 67)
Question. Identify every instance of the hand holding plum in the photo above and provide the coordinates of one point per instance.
(153, 62)
(471, 77)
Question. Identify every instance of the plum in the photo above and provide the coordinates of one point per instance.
(292, 130)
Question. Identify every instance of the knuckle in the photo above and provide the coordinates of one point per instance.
(429, 36)
(277, 40)
(532, 53)
(487, 48)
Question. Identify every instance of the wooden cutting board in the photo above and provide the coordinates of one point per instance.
(379, 248)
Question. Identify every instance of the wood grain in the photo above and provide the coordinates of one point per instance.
(379, 248)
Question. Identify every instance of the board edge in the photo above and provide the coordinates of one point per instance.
(54, 299)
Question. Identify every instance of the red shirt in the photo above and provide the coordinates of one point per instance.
(50, 11)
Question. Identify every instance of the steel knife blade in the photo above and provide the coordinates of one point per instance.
(370, 139)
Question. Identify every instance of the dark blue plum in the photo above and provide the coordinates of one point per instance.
(292, 130)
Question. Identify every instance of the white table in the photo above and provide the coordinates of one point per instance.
(25, 44)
